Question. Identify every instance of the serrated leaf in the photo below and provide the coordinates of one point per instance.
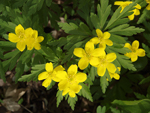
(126, 30)
(93, 73)
(103, 82)
(59, 97)
(101, 109)
(85, 92)
(36, 70)
(139, 96)
(72, 101)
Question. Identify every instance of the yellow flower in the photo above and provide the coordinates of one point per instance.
(102, 39)
(50, 74)
(123, 4)
(33, 40)
(135, 51)
(103, 63)
(115, 75)
(87, 54)
(18, 38)
(148, 7)
(70, 80)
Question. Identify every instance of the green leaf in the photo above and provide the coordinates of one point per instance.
(139, 96)
(118, 39)
(20, 101)
(59, 97)
(114, 110)
(121, 50)
(51, 85)
(145, 80)
(93, 73)
(136, 106)
(126, 30)
(72, 101)
(36, 70)
(101, 109)
(103, 82)
(1, 101)
(95, 21)
(85, 92)
(7, 44)
(2, 73)
(48, 2)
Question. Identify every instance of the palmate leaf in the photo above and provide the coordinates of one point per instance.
(36, 70)
(125, 30)
(85, 92)
(136, 106)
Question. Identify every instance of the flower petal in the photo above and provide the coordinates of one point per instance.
(63, 84)
(75, 88)
(28, 32)
(37, 46)
(99, 33)
(59, 68)
(83, 63)
(136, 12)
(81, 77)
(47, 82)
(128, 55)
(108, 42)
(137, 6)
(101, 69)
(43, 75)
(141, 52)
(131, 17)
(19, 30)
(40, 38)
(116, 76)
(98, 52)
(135, 45)
(134, 57)
(72, 70)
(13, 38)
(106, 35)
(102, 45)
(111, 67)
(148, 7)
(62, 75)
(35, 34)
(72, 94)
(21, 45)
(111, 57)
(95, 40)
(89, 47)
(127, 45)
(118, 3)
(79, 52)
(65, 91)
(94, 61)
(49, 67)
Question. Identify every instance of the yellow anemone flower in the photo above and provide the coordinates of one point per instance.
(115, 75)
(50, 74)
(70, 80)
(18, 38)
(148, 7)
(103, 63)
(87, 54)
(135, 51)
(123, 4)
(33, 40)
(102, 39)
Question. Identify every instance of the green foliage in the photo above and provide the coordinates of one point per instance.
(103, 82)
(72, 101)
(101, 109)
(59, 97)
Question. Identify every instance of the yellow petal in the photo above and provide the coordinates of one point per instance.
(62, 74)
(40, 38)
(19, 30)
(136, 12)
(30, 43)
(63, 84)
(108, 42)
(13, 38)
(65, 91)
(102, 45)
(94, 61)
(135, 45)
(21, 45)
(83, 63)
(111, 57)
(141, 52)
(111, 67)
(128, 55)
(148, 7)
(37, 46)
(75, 88)
(116, 76)
(47, 82)
(118, 3)
(127, 45)
(43, 75)
(59, 68)
(89, 47)
(49, 67)
(72, 94)
(80, 77)
(131, 17)
(138, 6)
(35, 34)
(119, 68)
(28, 32)
(134, 57)
(106, 35)
(79, 52)
(72, 70)
(98, 52)
(95, 40)
(101, 69)
(99, 33)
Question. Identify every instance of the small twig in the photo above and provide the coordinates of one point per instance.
(26, 108)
